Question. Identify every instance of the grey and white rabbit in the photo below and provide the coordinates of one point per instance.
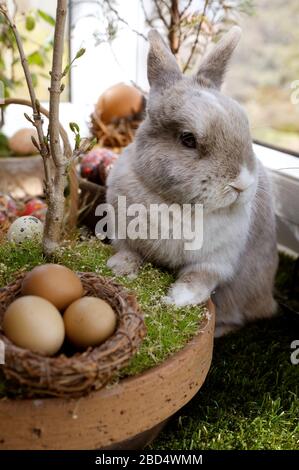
(194, 146)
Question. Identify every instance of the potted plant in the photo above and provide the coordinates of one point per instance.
(169, 368)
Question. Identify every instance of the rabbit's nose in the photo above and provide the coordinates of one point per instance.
(243, 181)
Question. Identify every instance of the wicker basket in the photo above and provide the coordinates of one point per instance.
(79, 373)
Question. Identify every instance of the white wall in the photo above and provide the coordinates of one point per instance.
(108, 63)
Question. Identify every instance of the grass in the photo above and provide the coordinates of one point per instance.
(250, 398)
(168, 328)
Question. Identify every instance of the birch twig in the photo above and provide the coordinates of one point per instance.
(55, 213)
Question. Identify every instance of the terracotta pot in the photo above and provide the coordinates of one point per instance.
(125, 416)
(21, 176)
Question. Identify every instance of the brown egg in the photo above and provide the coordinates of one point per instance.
(34, 323)
(88, 322)
(119, 101)
(21, 144)
(53, 282)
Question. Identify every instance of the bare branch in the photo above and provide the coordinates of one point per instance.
(122, 20)
(67, 149)
(195, 43)
(55, 87)
(55, 213)
(182, 13)
(146, 17)
(160, 13)
(166, 4)
(2, 118)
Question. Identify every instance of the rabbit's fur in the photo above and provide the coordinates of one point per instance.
(238, 259)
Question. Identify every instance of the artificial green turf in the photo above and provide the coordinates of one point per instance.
(168, 328)
(250, 398)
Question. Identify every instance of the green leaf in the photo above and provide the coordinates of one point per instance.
(68, 66)
(30, 23)
(48, 18)
(111, 30)
(77, 141)
(74, 127)
(80, 53)
(92, 143)
(66, 70)
(36, 59)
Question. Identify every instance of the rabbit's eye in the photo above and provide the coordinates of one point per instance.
(188, 140)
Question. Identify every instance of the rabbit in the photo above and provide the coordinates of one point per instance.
(194, 146)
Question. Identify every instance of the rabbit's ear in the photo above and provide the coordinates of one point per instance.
(162, 68)
(213, 66)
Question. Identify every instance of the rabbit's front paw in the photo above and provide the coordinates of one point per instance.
(124, 263)
(181, 294)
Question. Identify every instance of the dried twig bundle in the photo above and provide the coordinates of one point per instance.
(116, 134)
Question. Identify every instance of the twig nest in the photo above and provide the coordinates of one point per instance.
(21, 142)
(25, 228)
(118, 101)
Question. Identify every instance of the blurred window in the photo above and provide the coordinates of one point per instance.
(264, 74)
(35, 21)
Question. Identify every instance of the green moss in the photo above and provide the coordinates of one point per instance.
(168, 328)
